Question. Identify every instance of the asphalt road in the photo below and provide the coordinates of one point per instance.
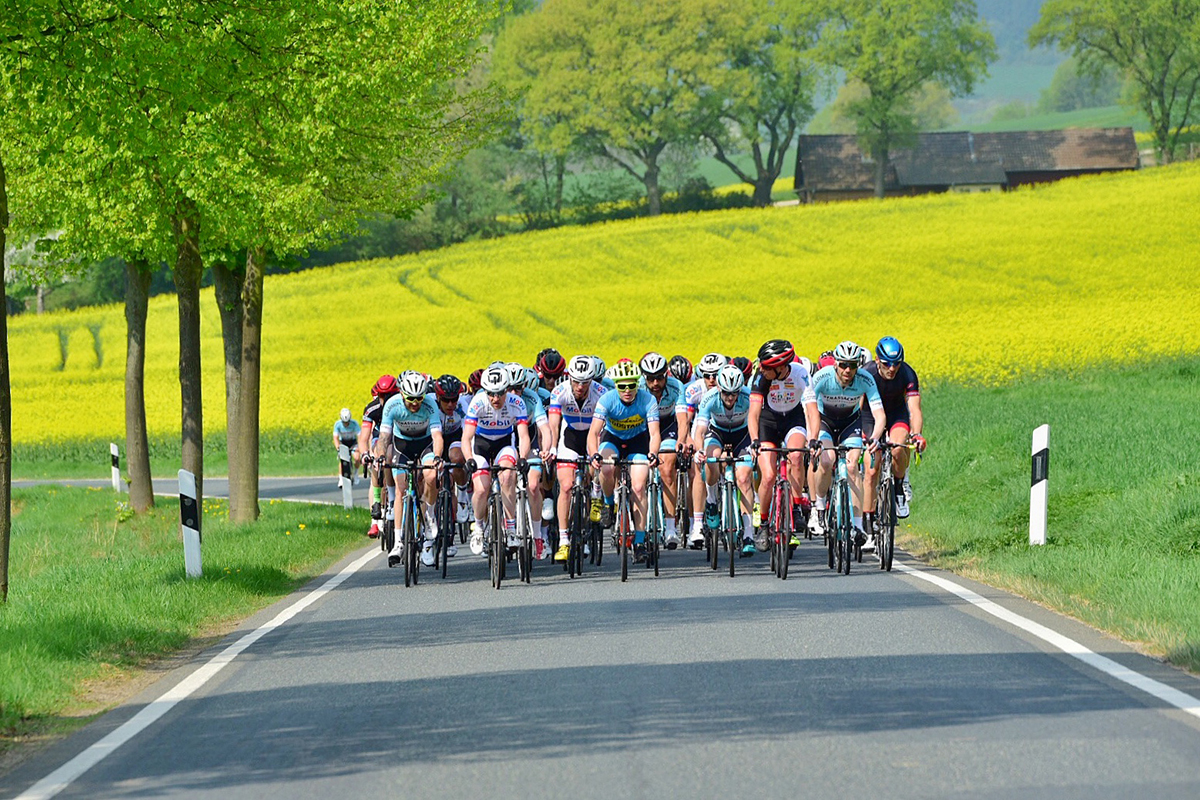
(693, 684)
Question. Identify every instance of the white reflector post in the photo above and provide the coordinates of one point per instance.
(189, 523)
(116, 466)
(347, 477)
(1037, 485)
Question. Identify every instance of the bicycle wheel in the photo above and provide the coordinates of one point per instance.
(495, 550)
(885, 520)
(418, 539)
(683, 520)
(387, 539)
(784, 531)
(406, 537)
(847, 527)
(623, 532)
(579, 532)
(445, 529)
(522, 524)
(730, 523)
(654, 523)
(711, 535)
(527, 547)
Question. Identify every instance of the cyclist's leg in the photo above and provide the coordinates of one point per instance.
(871, 464)
(666, 473)
(796, 438)
(507, 457)
(639, 476)
(898, 433)
(767, 468)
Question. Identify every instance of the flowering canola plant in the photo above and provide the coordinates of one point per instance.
(981, 289)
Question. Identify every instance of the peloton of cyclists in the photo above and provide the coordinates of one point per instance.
(722, 422)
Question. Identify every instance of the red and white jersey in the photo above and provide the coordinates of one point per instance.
(781, 396)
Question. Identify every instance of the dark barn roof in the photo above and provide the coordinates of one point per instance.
(835, 163)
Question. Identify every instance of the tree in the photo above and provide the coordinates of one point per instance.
(929, 107)
(616, 79)
(1071, 90)
(1155, 44)
(766, 82)
(895, 47)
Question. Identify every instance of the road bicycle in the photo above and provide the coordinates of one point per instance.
(500, 547)
(729, 529)
(782, 523)
(585, 534)
(839, 514)
(412, 522)
(655, 526)
(683, 494)
(623, 511)
(885, 507)
(444, 516)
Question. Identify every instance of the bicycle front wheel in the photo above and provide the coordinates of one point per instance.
(886, 523)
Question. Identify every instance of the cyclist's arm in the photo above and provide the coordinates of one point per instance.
(437, 442)
(681, 420)
(594, 435)
(523, 439)
(881, 430)
(916, 418)
(381, 444)
(753, 415)
(812, 418)
(555, 418)
(655, 435)
(698, 429)
(364, 437)
(468, 439)
(544, 431)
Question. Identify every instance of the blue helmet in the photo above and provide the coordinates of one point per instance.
(889, 350)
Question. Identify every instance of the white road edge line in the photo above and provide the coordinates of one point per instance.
(62, 777)
(1181, 700)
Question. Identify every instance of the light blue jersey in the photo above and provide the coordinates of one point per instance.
(713, 413)
(347, 432)
(410, 425)
(671, 401)
(837, 402)
(627, 421)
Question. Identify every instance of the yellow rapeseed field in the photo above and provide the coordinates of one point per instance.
(980, 289)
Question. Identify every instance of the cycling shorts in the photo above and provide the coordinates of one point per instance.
(635, 449)
(492, 451)
(900, 420)
(738, 438)
(846, 431)
(410, 449)
(776, 428)
(573, 444)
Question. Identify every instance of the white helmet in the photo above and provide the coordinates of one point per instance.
(516, 375)
(804, 362)
(653, 364)
(345, 415)
(494, 380)
(581, 368)
(847, 351)
(413, 384)
(711, 364)
(532, 381)
(730, 379)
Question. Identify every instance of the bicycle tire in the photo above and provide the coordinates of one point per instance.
(785, 530)
(495, 552)
(886, 523)
(622, 529)
(847, 527)
(387, 539)
(419, 535)
(406, 534)
(579, 532)
(521, 512)
(728, 514)
(445, 529)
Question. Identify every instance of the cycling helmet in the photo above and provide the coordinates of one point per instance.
(550, 363)
(681, 368)
(494, 380)
(711, 364)
(385, 385)
(864, 356)
(532, 381)
(581, 369)
(745, 365)
(447, 387)
(730, 379)
(600, 367)
(653, 364)
(345, 415)
(826, 360)
(889, 350)
(473, 380)
(516, 375)
(804, 362)
(413, 384)
(847, 351)
(776, 353)
(624, 370)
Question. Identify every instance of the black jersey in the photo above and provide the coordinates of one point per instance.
(895, 393)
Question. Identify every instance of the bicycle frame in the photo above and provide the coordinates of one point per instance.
(728, 500)
(840, 512)
(781, 525)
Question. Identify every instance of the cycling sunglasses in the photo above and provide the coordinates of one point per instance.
(848, 365)
(626, 387)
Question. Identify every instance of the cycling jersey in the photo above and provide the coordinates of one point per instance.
(373, 413)
(627, 421)
(452, 422)
(836, 402)
(496, 423)
(781, 397)
(347, 432)
(895, 393)
(713, 413)
(672, 400)
(410, 425)
(535, 407)
(693, 393)
(575, 415)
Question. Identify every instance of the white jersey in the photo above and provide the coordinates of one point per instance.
(781, 396)
(575, 415)
(693, 393)
(496, 423)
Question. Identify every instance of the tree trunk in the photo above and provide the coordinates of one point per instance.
(762, 190)
(560, 168)
(5, 402)
(653, 192)
(188, 270)
(245, 489)
(881, 159)
(227, 286)
(137, 446)
(41, 299)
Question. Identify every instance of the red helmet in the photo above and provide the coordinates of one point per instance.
(550, 363)
(447, 387)
(385, 385)
(776, 353)
(473, 381)
(745, 365)
(826, 360)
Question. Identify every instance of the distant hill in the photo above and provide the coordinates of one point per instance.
(1011, 21)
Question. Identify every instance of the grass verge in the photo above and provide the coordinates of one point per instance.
(97, 594)
(1123, 542)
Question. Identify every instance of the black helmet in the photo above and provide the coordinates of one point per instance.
(447, 387)
(681, 368)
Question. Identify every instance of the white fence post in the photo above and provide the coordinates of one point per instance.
(1037, 485)
(116, 467)
(189, 521)
(347, 477)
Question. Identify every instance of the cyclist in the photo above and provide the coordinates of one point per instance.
(473, 382)
(706, 380)
(681, 368)
(384, 390)
(832, 410)
(625, 425)
(602, 376)
(572, 406)
(722, 420)
(900, 392)
(448, 395)
(745, 365)
(551, 367)
(672, 417)
(526, 388)
(493, 416)
(777, 419)
(412, 431)
(345, 432)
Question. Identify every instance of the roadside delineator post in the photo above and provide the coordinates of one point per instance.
(189, 522)
(1037, 485)
(347, 477)
(116, 467)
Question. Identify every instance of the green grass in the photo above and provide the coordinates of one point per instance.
(96, 593)
(1123, 549)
